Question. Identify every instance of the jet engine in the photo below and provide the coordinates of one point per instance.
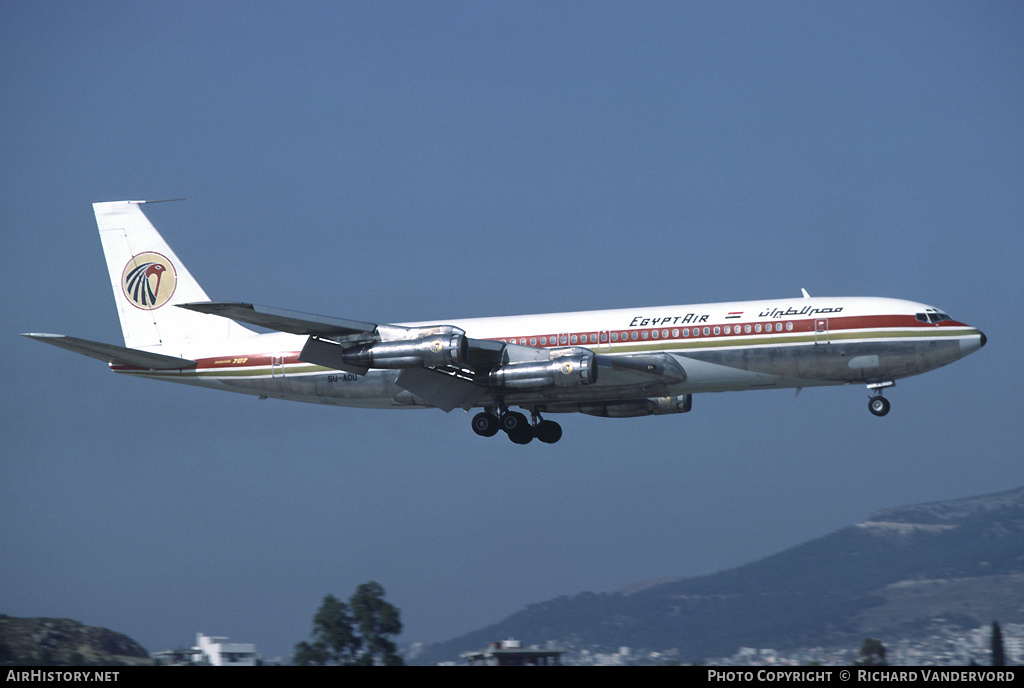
(436, 351)
(560, 370)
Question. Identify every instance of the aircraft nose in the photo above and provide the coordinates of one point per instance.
(973, 343)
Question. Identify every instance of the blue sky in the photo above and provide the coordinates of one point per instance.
(405, 161)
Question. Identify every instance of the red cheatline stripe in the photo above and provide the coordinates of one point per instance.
(836, 325)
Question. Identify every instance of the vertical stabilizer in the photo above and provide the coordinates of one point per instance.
(148, 279)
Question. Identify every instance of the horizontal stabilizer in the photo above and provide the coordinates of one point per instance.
(282, 320)
(113, 354)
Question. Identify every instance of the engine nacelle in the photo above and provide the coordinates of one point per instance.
(572, 370)
(652, 406)
(681, 403)
(437, 351)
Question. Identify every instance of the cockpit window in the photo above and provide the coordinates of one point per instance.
(932, 317)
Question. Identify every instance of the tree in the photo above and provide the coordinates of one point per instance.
(334, 641)
(998, 655)
(377, 620)
(335, 638)
(872, 653)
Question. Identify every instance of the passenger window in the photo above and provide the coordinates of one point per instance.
(718, 330)
(757, 327)
(675, 333)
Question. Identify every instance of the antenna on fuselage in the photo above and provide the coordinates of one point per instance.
(160, 200)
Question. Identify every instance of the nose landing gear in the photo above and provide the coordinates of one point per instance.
(879, 405)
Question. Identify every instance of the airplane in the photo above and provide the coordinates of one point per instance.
(611, 363)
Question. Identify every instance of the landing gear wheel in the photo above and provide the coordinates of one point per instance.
(513, 423)
(524, 436)
(517, 427)
(486, 424)
(878, 406)
(548, 431)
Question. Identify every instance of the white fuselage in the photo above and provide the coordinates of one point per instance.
(777, 343)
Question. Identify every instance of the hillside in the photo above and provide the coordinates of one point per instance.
(894, 575)
(65, 642)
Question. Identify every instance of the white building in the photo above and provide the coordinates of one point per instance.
(216, 650)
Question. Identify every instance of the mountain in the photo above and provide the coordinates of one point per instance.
(65, 642)
(959, 563)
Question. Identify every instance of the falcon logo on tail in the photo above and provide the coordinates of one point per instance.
(148, 280)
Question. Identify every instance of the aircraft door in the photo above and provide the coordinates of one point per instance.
(277, 365)
(821, 331)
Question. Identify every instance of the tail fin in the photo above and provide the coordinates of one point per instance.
(149, 279)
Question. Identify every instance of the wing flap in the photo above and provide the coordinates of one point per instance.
(328, 355)
(439, 389)
(110, 353)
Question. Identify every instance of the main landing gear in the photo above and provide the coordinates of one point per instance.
(879, 405)
(517, 427)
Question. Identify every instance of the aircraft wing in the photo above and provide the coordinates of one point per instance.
(110, 353)
(330, 341)
(283, 320)
(446, 391)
